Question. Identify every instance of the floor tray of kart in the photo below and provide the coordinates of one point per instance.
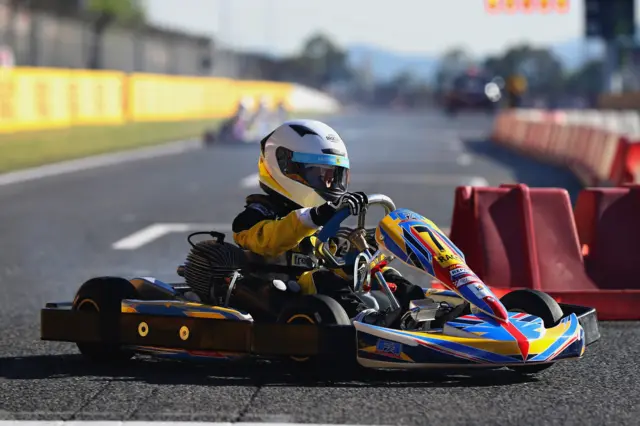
(236, 305)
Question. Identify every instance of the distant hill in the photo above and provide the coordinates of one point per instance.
(385, 64)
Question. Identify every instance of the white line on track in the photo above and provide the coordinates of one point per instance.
(251, 181)
(148, 423)
(158, 230)
(96, 161)
(478, 181)
(425, 179)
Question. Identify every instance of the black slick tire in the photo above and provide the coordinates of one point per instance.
(104, 295)
(313, 309)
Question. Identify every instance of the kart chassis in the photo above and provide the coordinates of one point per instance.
(60, 323)
(243, 336)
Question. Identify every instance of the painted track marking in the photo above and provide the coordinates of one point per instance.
(157, 230)
(96, 161)
(251, 181)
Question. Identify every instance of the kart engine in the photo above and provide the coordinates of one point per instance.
(209, 267)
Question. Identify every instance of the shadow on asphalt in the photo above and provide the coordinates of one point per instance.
(527, 170)
(255, 373)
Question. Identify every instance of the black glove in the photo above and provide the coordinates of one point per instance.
(355, 201)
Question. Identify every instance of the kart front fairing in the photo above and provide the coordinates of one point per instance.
(489, 336)
(471, 340)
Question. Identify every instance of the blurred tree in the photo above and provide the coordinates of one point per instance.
(129, 11)
(106, 13)
(541, 68)
(452, 62)
(586, 81)
(122, 10)
(404, 90)
(320, 63)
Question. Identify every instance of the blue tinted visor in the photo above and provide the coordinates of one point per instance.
(320, 159)
(321, 172)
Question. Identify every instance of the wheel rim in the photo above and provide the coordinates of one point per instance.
(300, 319)
(88, 305)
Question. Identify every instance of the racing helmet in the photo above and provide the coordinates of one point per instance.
(304, 161)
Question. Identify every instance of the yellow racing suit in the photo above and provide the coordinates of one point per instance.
(267, 228)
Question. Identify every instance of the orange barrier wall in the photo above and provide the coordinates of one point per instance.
(45, 98)
(597, 154)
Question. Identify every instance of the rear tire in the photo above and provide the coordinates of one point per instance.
(535, 303)
(104, 295)
(313, 309)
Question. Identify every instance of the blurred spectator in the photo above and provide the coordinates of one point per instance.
(281, 112)
(243, 112)
(516, 86)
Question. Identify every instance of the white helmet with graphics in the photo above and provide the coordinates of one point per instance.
(305, 161)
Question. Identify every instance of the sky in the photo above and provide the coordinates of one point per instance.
(407, 26)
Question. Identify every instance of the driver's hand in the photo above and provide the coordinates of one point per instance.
(354, 201)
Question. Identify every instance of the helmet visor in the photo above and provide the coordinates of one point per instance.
(321, 172)
(322, 177)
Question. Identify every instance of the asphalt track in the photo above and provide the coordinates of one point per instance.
(57, 232)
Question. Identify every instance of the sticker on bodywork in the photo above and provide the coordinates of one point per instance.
(388, 348)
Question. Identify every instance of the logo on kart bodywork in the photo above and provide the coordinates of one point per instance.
(461, 276)
(457, 273)
(448, 259)
(481, 292)
(389, 348)
(465, 280)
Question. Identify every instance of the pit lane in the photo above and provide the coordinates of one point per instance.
(58, 232)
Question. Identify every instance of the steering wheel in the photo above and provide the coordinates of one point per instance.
(366, 253)
(333, 230)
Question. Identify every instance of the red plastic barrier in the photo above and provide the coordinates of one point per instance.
(626, 163)
(595, 155)
(608, 221)
(520, 237)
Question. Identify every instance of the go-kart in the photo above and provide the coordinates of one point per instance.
(234, 305)
(240, 131)
(232, 131)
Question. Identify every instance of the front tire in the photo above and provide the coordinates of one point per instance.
(104, 295)
(535, 303)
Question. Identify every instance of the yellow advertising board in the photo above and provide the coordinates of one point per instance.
(46, 98)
